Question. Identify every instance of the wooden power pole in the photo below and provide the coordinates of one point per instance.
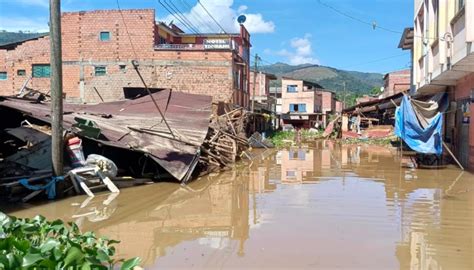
(56, 87)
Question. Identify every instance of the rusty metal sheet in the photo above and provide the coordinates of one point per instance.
(136, 125)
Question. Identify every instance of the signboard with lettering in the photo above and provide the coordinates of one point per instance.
(217, 44)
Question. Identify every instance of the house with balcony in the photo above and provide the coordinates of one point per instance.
(442, 51)
(98, 48)
(305, 104)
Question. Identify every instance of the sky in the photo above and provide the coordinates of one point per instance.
(288, 31)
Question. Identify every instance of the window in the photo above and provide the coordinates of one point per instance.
(459, 5)
(100, 71)
(3, 75)
(104, 36)
(292, 88)
(162, 40)
(123, 68)
(301, 107)
(299, 154)
(41, 71)
(21, 72)
(290, 173)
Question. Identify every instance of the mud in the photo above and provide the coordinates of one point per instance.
(321, 206)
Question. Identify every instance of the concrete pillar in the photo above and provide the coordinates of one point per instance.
(345, 123)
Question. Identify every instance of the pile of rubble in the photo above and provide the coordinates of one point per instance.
(186, 141)
(225, 142)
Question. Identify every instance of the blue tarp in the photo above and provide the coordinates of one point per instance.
(426, 140)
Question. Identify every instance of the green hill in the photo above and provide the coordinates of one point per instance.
(357, 83)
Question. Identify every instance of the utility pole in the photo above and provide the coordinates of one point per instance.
(254, 81)
(56, 87)
(344, 97)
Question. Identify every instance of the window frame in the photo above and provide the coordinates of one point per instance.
(18, 71)
(43, 72)
(96, 74)
(292, 86)
(108, 38)
(3, 78)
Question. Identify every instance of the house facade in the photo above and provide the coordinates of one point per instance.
(396, 82)
(98, 48)
(264, 101)
(305, 104)
(441, 42)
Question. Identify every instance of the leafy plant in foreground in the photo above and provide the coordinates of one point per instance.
(40, 244)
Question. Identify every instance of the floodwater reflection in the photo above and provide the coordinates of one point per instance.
(324, 205)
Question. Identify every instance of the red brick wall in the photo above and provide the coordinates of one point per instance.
(396, 82)
(201, 72)
(328, 102)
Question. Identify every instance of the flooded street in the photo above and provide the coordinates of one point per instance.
(321, 206)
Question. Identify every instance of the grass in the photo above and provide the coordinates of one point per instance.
(287, 138)
(373, 141)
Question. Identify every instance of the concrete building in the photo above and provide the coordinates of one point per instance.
(305, 104)
(98, 47)
(441, 42)
(396, 82)
(264, 102)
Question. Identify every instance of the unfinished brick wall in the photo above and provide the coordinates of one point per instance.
(396, 82)
(81, 34)
(328, 102)
(22, 58)
(215, 81)
(194, 71)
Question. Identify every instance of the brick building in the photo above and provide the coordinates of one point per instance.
(305, 103)
(98, 47)
(396, 82)
(264, 101)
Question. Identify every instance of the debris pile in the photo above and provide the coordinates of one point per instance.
(226, 140)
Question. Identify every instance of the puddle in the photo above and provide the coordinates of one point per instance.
(320, 206)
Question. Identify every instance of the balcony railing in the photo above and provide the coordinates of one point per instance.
(208, 44)
(180, 47)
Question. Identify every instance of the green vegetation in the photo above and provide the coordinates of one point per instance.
(386, 141)
(287, 138)
(357, 83)
(40, 244)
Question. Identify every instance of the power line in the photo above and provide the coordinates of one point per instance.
(179, 13)
(175, 15)
(212, 17)
(377, 60)
(373, 24)
(126, 29)
(197, 17)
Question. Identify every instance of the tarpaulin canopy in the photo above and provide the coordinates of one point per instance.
(419, 124)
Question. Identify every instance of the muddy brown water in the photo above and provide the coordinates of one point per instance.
(324, 206)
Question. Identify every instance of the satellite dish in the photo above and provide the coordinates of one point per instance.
(241, 19)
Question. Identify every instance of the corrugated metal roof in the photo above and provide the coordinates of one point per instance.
(136, 125)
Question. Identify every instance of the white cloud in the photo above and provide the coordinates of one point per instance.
(301, 53)
(225, 15)
(15, 24)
